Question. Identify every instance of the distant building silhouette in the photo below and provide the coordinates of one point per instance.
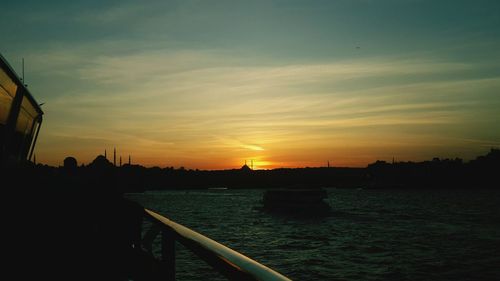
(114, 157)
(245, 168)
(100, 162)
(70, 163)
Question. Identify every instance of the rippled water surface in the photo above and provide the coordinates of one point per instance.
(370, 235)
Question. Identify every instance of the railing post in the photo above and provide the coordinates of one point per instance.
(168, 253)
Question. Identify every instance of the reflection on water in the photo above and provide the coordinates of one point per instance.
(370, 235)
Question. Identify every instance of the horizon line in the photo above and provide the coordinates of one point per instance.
(283, 167)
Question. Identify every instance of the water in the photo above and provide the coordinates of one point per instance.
(370, 235)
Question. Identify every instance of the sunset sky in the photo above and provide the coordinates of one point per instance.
(208, 84)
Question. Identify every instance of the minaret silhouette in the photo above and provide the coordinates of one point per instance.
(120, 160)
(328, 163)
(252, 164)
(105, 155)
(129, 159)
(114, 157)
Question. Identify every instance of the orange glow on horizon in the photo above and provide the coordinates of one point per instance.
(259, 162)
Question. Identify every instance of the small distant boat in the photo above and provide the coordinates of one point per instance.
(296, 201)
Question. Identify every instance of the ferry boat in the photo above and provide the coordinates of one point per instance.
(296, 201)
(20, 117)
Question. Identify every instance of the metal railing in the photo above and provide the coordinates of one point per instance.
(228, 262)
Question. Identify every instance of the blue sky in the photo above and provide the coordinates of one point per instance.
(207, 84)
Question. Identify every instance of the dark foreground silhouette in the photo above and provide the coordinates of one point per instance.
(67, 227)
(72, 223)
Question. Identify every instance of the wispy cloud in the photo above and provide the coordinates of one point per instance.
(177, 103)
